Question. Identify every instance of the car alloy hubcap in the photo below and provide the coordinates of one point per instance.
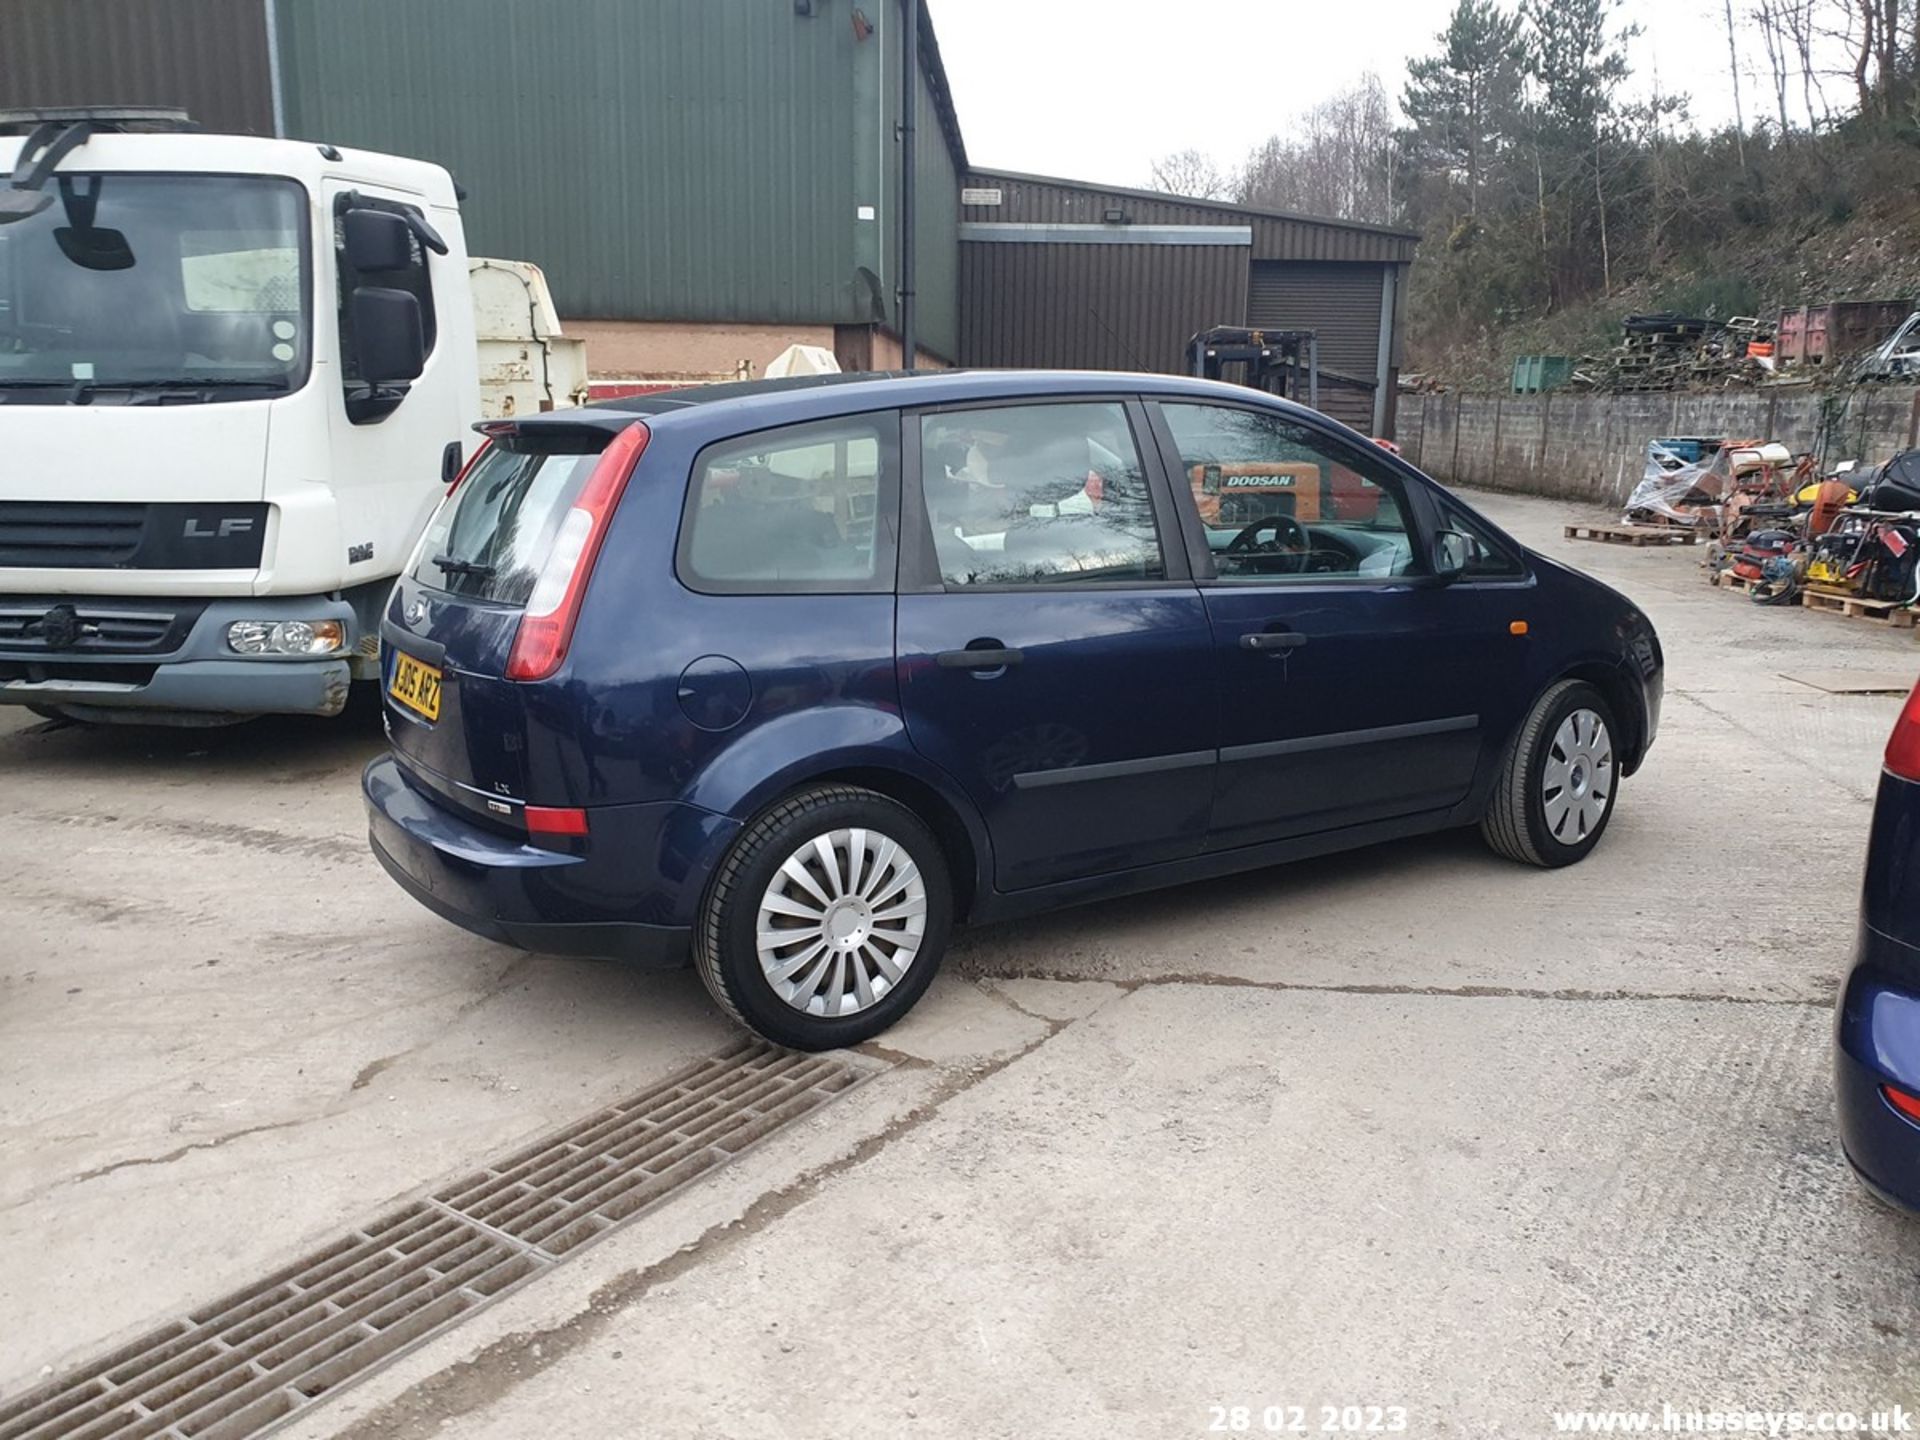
(1577, 780)
(841, 922)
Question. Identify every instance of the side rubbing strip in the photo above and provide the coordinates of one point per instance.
(1112, 770)
(1340, 739)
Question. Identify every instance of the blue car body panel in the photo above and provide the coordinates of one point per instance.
(1877, 1021)
(1136, 743)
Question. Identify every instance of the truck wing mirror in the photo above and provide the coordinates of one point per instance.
(377, 241)
(389, 342)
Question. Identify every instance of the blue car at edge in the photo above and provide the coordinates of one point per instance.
(789, 678)
(1876, 1053)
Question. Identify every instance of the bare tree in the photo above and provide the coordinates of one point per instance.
(1337, 159)
(1803, 22)
(1193, 174)
(1770, 17)
(1869, 12)
(1733, 68)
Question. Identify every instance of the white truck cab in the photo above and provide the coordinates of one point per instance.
(236, 375)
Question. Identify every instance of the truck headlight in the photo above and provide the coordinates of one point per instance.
(285, 637)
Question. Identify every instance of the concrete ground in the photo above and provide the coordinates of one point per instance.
(1408, 1127)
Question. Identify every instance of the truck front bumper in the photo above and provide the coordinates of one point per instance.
(99, 673)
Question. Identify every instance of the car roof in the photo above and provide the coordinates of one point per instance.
(806, 397)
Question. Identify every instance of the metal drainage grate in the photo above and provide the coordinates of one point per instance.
(245, 1363)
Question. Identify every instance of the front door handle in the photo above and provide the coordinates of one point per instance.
(983, 658)
(1272, 640)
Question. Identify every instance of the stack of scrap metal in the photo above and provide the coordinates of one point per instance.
(1696, 482)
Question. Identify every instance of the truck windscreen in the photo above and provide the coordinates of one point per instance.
(189, 286)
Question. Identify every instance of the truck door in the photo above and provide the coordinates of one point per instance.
(380, 452)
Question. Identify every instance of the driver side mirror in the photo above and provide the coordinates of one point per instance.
(1452, 552)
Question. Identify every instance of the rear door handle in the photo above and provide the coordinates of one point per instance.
(982, 659)
(1272, 640)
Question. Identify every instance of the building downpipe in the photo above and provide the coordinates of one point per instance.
(909, 103)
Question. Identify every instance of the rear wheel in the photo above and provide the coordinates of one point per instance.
(1558, 779)
(826, 920)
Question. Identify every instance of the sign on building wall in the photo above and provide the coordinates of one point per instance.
(971, 196)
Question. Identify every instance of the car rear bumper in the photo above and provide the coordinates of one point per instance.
(1877, 1042)
(631, 894)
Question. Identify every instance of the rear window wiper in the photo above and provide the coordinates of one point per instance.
(454, 566)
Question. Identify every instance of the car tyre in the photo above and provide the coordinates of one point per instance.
(847, 873)
(1558, 781)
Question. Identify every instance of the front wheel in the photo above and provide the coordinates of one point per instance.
(1558, 780)
(826, 920)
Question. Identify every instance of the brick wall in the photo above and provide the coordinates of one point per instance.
(1592, 447)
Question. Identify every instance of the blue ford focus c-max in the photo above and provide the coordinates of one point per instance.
(792, 677)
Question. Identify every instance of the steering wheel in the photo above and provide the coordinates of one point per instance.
(1289, 542)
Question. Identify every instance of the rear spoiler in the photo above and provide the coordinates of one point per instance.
(576, 436)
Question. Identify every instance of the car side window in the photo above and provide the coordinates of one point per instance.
(1280, 501)
(1038, 495)
(792, 510)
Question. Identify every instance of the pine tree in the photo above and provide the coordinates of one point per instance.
(1460, 102)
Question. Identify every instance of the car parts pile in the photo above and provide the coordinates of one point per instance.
(1824, 538)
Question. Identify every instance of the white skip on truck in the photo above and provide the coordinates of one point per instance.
(236, 376)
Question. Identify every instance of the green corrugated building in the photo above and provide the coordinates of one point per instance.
(703, 181)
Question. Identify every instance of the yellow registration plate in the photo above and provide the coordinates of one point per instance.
(416, 685)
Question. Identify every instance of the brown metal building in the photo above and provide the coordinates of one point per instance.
(212, 58)
(1059, 273)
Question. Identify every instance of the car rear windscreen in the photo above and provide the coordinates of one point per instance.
(491, 537)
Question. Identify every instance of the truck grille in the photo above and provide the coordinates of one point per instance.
(102, 535)
(59, 535)
(50, 625)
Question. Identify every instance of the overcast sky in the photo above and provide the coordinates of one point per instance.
(1094, 89)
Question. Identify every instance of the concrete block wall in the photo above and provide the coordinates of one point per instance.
(1592, 447)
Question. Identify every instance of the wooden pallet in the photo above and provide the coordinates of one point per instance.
(1636, 535)
(1882, 612)
(1738, 584)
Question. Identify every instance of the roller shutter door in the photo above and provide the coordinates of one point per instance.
(1341, 303)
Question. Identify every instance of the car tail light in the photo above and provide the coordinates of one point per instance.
(1907, 1105)
(1903, 746)
(556, 820)
(546, 629)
